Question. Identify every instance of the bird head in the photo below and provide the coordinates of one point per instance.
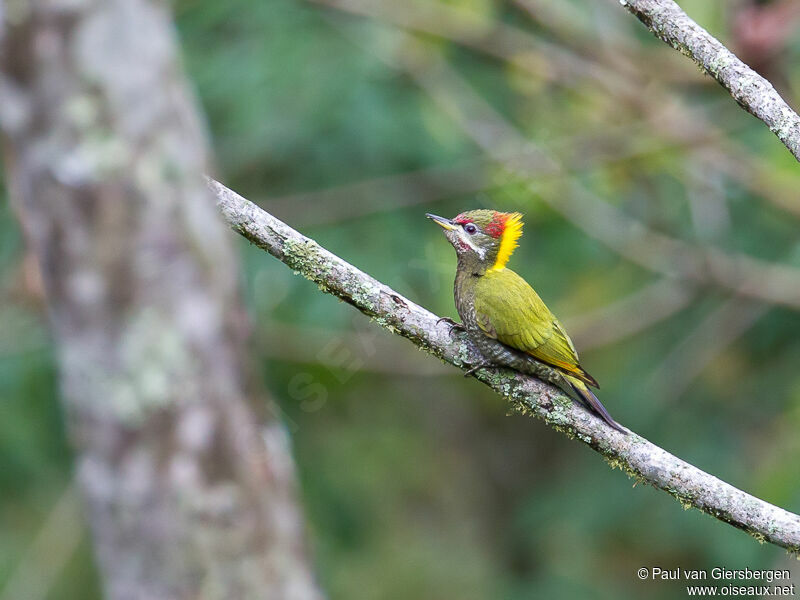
(482, 238)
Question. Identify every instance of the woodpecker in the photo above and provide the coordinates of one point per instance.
(503, 315)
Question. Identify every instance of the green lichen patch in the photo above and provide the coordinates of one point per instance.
(758, 536)
(387, 324)
(615, 462)
(365, 296)
(300, 256)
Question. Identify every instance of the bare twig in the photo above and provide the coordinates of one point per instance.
(694, 352)
(666, 20)
(382, 194)
(638, 457)
(742, 274)
(631, 239)
(345, 350)
(498, 39)
(681, 124)
(630, 315)
(608, 146)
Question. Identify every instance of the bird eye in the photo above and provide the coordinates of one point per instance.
(470, 228)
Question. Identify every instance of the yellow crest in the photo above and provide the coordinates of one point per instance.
(512, 230)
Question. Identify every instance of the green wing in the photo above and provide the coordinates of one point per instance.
(510, 310)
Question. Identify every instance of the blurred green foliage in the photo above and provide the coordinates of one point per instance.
(416, 483)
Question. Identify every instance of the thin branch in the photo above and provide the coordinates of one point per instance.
(607, 146)
(493, 38)
(385, 193)
(352, 350)
(742, 274)
(668, 22)
(679, 123)
(635, 455)
(630, 315)
(739, 273)
(694, 352)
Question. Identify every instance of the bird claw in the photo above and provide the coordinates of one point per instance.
(472, 370)
(453, 324)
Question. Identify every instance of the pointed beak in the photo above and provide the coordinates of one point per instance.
(445, 224)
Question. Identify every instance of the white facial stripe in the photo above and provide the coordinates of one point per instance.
(465, 237)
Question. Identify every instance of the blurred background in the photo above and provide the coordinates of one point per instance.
(349, 119)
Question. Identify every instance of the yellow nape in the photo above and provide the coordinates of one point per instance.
(508, 240)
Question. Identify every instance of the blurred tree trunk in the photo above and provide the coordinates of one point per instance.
(188, 497)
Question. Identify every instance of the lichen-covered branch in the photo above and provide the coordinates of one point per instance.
(666, 20)
(639, 458)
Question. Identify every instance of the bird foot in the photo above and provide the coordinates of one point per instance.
(453, 324)
(475, 368)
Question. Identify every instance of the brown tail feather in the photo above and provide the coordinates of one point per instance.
(591, 401)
